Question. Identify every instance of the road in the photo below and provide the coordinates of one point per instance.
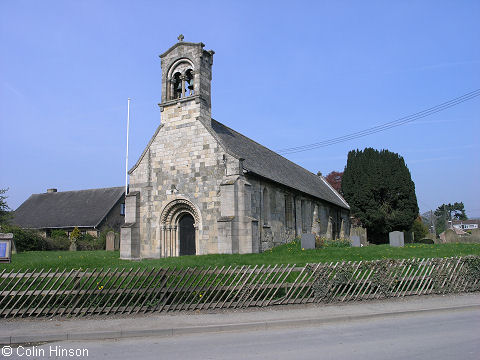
(442, 335)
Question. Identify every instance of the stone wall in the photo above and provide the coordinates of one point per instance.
(270, 210)
(183, 161)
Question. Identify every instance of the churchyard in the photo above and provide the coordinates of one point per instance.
(291, 253)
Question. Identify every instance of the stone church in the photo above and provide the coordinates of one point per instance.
(200, 187)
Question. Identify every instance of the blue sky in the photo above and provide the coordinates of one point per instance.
(285, 74)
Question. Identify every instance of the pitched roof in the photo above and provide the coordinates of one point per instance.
(83, 208)
(268, 164)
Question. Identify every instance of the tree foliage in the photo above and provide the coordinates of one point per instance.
(5, 212)
(448, 212)
(379, 188)
(419, 229)
(335, 179)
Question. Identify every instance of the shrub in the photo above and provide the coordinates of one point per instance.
(25, 240)
(58, 243)
(89, 242)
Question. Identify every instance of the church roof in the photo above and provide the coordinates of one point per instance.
(268, 164)
(83, 208)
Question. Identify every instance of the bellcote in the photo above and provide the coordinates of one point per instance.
(186, 73)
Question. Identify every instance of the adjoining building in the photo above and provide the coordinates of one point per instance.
(466, 224)
(200, 187)
(90, 210)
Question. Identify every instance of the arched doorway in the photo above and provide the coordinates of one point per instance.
(180, 226)
(187, 235)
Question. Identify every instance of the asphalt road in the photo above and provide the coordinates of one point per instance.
(442, 335)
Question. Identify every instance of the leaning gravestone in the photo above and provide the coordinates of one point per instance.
(396, 239)
(308, 241)
(110, 243)
(355, 241)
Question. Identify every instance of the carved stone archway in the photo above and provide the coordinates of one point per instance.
(169, 219)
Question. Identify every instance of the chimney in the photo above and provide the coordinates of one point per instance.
(51, 191)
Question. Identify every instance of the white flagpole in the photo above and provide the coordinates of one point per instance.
(126, 158)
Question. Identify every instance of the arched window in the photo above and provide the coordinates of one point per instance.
(177, 86)
(181, 76)
(265, 207)
(189, 78)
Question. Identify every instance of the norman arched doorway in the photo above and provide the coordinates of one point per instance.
(179, 228)
(187, 235)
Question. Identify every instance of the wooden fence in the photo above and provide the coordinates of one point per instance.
(26, 293)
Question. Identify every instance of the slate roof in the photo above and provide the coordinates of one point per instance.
(266, 163)
(83, 208)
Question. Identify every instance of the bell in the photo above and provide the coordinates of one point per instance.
(190, 84)
(179, 87)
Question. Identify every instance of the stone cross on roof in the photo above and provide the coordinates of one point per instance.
(180, 37)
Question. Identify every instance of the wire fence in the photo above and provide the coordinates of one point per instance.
(26, 293)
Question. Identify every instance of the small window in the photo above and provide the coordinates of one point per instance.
(122, 209)
(265, 207)
(288, 212)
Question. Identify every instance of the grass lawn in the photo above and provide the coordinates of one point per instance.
(285, 254)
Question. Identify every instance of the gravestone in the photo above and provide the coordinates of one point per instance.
(117, 241)
(355, 241)
(396, 239)
(110, 242)
(308, 241)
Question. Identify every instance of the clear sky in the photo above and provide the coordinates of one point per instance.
(285, 73)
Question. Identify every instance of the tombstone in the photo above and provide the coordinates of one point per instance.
(355, 241)
(308, 241)
(73, 245)
(110, 242)
(396, 239)
(117, 242)
(450, 236)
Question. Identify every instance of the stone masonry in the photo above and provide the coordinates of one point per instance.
(187, 170)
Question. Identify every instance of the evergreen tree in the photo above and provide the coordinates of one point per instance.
(449, 212)
(380, 191)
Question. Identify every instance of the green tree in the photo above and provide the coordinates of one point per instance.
(448, 212)
(5, 211)
(379, 188)
(419, 229)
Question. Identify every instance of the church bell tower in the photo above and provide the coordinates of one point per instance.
(186, 78)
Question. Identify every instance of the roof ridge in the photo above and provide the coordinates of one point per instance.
(63, 192)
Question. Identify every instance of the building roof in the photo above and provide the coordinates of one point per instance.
(82, 208)
(466, 222)
(268, 164)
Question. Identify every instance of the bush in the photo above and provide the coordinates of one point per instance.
(89, 242)
(58, 243)
(25, 240)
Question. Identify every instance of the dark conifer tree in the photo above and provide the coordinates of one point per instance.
(380, 191)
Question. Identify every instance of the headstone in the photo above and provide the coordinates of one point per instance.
(396, 239)
(355, 241)
(450, 236)
(117, 241)
(308, 241)
(73, 245)
(110, 243)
